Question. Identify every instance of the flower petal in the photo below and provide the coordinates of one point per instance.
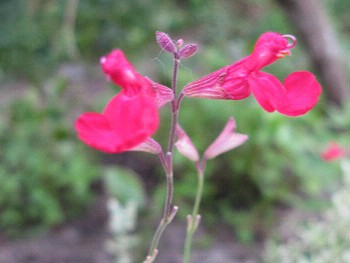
(132, 115)
(116, 66)
(298, 95)
(269, 47)
(125, 123)
(302, 91)
(94, 130)
(267, 89)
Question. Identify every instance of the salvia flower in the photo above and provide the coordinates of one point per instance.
(297, 95)
(333, 152)
(129, 118)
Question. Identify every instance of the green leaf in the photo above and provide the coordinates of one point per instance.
(125, 185)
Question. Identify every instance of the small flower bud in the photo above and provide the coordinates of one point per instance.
(165, 42)
(185, 146)
(188, 50)
(180, 42)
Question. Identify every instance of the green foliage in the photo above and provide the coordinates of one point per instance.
(323, 240)
(124, 185)
(45, 174)
(33, 32)
(279, 163)
(25, 38)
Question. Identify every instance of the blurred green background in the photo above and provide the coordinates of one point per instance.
(49, 74)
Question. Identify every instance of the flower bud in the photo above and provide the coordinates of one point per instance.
(180, 42)
(188, 50)
(165, 42)
(185, 146)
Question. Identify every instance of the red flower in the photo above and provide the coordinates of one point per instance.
(333, 152)
(297, 95)
(129, 118)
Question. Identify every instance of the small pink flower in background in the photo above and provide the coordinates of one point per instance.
(227, 140)
(129, 118)
(333, 152)
(296, 96)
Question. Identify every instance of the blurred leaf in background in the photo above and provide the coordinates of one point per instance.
(46, 174)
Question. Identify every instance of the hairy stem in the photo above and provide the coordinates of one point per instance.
(167, 163)
(174, 106)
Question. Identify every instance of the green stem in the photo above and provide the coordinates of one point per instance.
(193, 220)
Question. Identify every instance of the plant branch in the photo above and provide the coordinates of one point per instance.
(167, 163)
(193, 220)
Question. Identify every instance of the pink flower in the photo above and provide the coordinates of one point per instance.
(333, 152)
(129, 118)
(297, 95)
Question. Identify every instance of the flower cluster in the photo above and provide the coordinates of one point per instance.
(131, 117)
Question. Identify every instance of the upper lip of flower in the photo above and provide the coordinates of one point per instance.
(283, 53)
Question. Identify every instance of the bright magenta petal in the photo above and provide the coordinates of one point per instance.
(94, 130)
(267, 90)
(116, 66)
(125, 123)
(132, 115)
(302, 90)
(298, 95)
